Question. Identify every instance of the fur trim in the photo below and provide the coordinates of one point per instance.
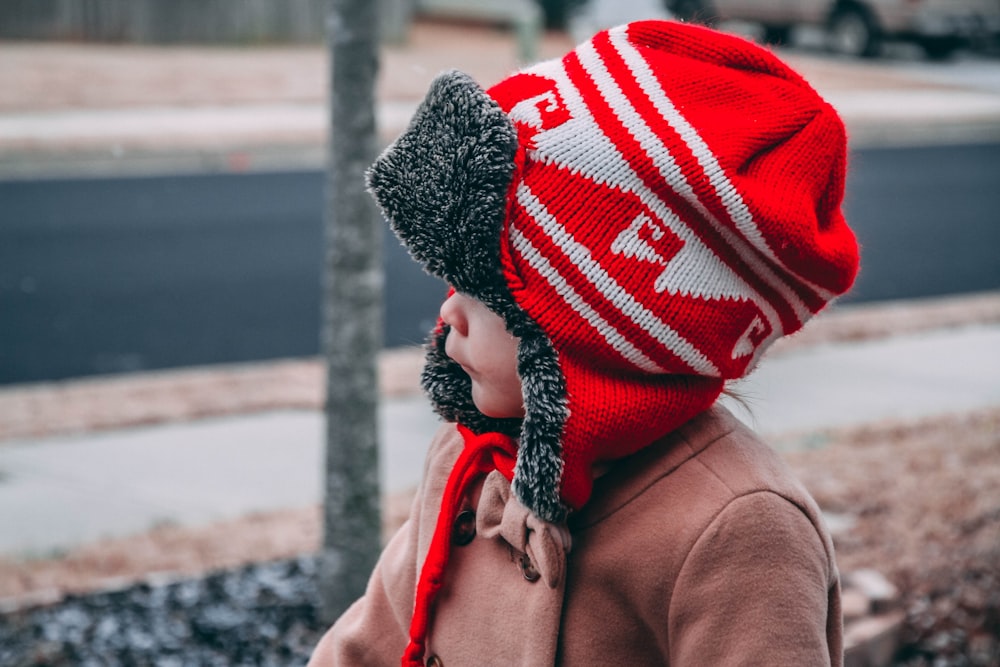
(450, 391)
(443, 184)
(538, 472)
(443, 187)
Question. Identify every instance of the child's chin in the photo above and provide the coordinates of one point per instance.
(496, 411)
(490, 411)
(502, 414)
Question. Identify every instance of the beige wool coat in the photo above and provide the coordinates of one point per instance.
(702, 549)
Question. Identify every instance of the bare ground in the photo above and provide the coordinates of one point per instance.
(920, 502)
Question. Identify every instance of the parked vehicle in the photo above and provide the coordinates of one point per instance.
(860, 27)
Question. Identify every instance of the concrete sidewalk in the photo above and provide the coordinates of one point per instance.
(64, 490)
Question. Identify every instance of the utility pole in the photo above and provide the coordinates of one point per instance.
(352, 312)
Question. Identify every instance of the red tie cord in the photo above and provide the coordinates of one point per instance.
(482, 454)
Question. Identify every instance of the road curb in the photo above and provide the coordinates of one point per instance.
(238, 153)
(76, 406)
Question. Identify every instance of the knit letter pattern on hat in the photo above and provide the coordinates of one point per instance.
(648, 214)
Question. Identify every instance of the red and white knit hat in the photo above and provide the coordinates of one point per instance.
(648, 214)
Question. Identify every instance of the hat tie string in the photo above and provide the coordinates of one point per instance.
(481, 455)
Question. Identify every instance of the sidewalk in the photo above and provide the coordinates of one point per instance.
(91, 458)
(173, 456)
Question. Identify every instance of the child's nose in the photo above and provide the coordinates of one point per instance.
(453, 314)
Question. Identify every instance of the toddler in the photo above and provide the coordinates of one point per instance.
(624, 230)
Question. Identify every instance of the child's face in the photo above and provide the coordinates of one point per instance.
(481, 344)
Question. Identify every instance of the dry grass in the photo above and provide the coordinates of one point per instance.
(921, 503)
(921, 497)
(175, 551)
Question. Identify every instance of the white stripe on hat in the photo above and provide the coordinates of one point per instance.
(573, 145)
(703, 282)
(614, 338)
(660, 155)
(581, 259)
(738, 211)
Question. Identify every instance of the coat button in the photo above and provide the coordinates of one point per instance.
(464, 529)
(528, 569)
(434, 661)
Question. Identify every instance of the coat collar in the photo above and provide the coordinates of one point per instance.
(630, 477)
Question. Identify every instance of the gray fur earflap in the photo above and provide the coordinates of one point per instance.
(443, 183)
(539, 460)
(443, 186)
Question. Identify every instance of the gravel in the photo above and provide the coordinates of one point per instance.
(262, 614)
(267, 615)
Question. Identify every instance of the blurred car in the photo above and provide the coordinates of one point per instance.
(860, 27)
(586, 19)
(557, 13)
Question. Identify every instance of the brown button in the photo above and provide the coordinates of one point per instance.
(434, 661)
(528, 569)
(464, 529)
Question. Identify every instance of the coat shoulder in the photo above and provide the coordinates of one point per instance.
(691, 476)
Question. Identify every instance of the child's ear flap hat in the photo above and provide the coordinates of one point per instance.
(648, 214)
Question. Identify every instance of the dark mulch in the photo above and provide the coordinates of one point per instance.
(258, 615)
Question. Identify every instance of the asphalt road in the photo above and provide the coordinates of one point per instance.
(928, 220)
(113, 275)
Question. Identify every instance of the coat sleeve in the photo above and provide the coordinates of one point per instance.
(759, 587)
(375, 629)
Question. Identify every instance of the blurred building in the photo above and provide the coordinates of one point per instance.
(239, 21)
(164, 21)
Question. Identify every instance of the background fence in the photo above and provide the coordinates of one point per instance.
(164, 21)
